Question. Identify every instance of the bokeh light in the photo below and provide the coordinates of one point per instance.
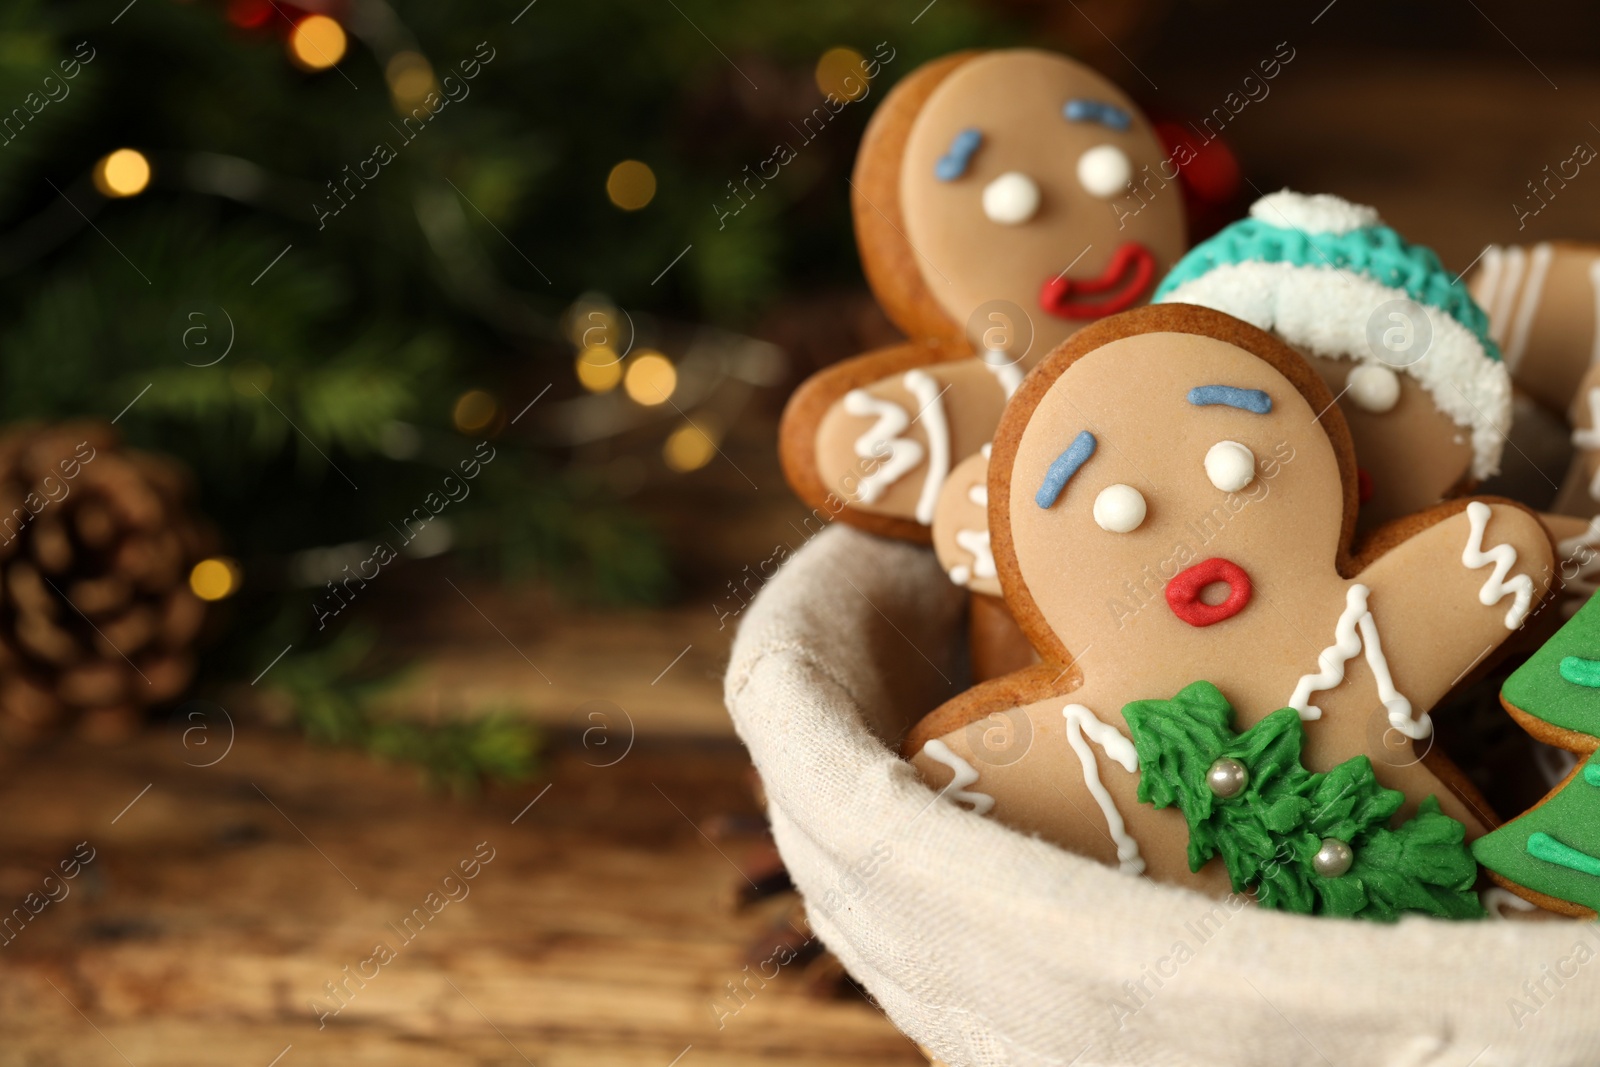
(215, 578)
(475, 410)
(124, 172)
(650, 378)
(631, 185)
(410, 78)
(317, 42)
(599, 369)
(690, 446)
(842, 72)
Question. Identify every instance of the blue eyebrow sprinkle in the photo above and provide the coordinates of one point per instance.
(1253, 400)
(1064, 467)
(953, 164)
(1108, 115)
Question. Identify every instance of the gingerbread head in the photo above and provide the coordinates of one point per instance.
(1397, 337)
(1172, 498)
(994, 215)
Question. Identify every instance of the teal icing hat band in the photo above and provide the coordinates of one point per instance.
(1375, 251)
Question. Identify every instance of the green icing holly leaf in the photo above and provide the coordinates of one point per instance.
(1560, 683)
(1269, 834)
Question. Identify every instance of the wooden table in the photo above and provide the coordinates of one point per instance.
(221, 900)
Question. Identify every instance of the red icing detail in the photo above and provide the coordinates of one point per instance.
(1132, 267)
(1183, 592)
(1363, 485)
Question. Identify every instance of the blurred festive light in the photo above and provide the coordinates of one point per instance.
(215, 578)
(475, 410)
(631, 185)
(316, 42)
(599, 369)
(410, 78)
(124, 172)
(842, 72)
(650, 378)
(690, 446)
(249, 14)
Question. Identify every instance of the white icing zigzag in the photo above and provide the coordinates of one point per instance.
(904, 453)
(965, 775)
(976, 543)
(1080, 722)
(1504, 557)
(1346, 644)
(931, 411)
(1008, 375)
(1588, 437)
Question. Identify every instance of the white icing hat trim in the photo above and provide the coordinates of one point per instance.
(1313, 213)
(1325, 311)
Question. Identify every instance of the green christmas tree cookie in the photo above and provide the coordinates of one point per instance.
(1555, 696)
(1553, 849)
(1551, 853)
(1317, 844)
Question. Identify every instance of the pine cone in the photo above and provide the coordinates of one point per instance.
(96, 616)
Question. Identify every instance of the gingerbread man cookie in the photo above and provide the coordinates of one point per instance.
(1166, 508)
(1395, 336)
(985, 206)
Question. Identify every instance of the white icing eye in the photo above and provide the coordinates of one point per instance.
(1104, 170)
(1011, 199)
(1230, 466)
(1119, 508)
(1373, 387)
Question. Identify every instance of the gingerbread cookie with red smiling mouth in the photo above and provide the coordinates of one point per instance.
(983, 199)
(1137, 559)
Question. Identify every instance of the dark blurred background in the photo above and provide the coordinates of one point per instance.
(461, 299)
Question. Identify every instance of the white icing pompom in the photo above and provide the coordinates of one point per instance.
(1104, 171)
(1319, 213)
(1373, 387)
(1230, 466)
(1011, 199)
(1119, 508)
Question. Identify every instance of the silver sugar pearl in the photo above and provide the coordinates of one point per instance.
(1333, 858)
(1227, 777)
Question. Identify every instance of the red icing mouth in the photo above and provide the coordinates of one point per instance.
(1126, 278)
(1183, 592)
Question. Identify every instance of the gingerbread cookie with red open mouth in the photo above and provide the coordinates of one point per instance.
(1167, 510)
(984, 201)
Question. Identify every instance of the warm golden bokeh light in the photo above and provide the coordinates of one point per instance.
(317, 42)
(842, 72)
(650, 378)
(410, 78)
(214, 579)
(124, 172)
(599, 369)
(631, 185)
(475, 410)
(690, 446)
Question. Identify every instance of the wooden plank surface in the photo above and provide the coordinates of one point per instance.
(219, 904)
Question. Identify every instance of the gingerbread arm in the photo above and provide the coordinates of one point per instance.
(1443, 599)
(871, 440)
